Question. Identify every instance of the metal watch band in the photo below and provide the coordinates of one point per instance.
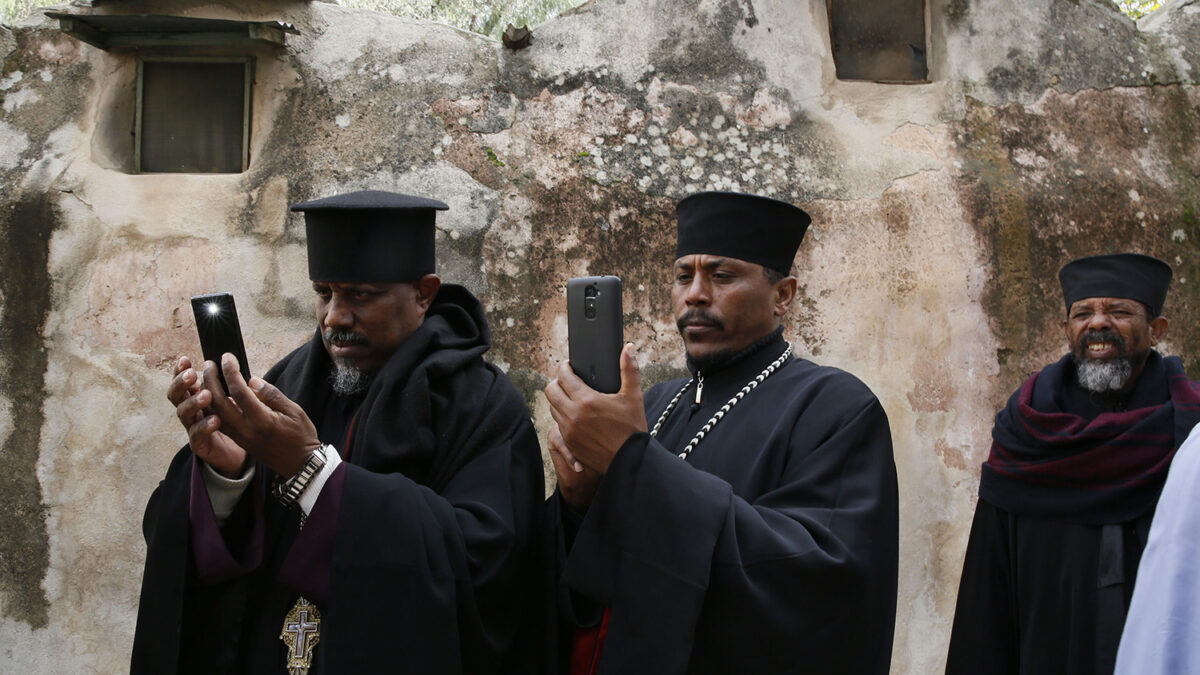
(289, 491)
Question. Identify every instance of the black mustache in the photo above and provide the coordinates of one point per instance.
(698, 316)
(1102, 335)
(344, 337)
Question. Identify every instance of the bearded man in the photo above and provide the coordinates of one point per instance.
(1068, 492)
(366, 507)
(753, 527)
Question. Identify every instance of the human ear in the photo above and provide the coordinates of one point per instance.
(427, 289)
(785, 295)
(1158, 328)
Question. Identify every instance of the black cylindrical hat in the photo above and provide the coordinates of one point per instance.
(1118, 275)
(370, 236)
(747, 227)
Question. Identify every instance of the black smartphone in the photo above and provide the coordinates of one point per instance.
(594, 331)
(220, 332)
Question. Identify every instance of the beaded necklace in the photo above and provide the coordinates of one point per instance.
(712, 422)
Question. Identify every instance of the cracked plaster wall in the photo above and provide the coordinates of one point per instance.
(1050, 129)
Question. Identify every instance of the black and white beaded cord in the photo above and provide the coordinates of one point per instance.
(712, 422)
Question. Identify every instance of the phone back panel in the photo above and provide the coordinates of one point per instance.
(219, 330)
(595, 334)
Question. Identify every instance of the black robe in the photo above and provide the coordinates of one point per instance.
(773, 549)
(426, 562)
(1046, 593)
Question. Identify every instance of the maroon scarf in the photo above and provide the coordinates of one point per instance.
(1049, 463)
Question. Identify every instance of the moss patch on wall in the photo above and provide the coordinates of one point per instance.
(1074, 175)
(25, 232)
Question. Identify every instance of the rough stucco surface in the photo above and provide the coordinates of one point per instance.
(1050, 129)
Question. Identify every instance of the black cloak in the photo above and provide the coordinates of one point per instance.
(1066, 501)
(773, 549)
(427, 561)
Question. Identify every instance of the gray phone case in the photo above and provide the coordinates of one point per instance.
(595, 333)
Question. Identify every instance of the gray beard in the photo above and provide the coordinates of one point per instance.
(1103, 376)
(348, 380)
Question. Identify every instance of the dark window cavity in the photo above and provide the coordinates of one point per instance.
(193, 115)
(879, 40)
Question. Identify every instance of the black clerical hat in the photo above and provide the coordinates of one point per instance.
(370, 236)
(1119, 275)
(747, 227)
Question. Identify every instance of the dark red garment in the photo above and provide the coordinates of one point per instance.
(586, 645)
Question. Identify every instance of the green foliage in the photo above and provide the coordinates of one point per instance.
(1138, 8)
(12, 11)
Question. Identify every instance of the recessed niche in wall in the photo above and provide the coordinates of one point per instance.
(193, 115)
(879, 40)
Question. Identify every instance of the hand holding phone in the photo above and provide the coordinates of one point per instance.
(220, 332)
(594, 331)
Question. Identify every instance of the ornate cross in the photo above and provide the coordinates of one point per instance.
(301, 633)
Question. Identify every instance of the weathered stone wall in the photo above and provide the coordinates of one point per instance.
(1050, 129)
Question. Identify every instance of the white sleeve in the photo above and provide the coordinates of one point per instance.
(1160, 635)
(309, 498)
(223, 492)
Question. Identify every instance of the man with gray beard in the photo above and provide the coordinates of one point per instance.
(1078, 459)
(369, 505)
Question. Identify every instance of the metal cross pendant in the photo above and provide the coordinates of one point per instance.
(301, 632)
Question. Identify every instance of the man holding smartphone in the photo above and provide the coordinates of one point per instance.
(752, 528)
(369, 505)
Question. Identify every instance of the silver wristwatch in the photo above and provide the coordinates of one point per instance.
(288, 491)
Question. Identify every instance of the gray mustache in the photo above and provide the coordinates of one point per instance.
(344, 337)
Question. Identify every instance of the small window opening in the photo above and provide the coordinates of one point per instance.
(193, 115)
(879, 40)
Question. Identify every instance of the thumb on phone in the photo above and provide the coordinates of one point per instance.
(631, 374)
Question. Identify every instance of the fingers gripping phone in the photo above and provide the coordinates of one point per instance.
(220, 332)
(594, 332)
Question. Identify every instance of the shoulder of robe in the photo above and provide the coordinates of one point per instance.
(828, 384)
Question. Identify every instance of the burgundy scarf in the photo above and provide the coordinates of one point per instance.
(1050, 463)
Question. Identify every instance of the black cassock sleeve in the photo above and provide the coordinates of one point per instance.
(430, 576)
(798, 578)
(439, 582)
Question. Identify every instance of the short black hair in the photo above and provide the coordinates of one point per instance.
(773, 275)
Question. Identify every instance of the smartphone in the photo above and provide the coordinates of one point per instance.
(220, 332)
(594, 331)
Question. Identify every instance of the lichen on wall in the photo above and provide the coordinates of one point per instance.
(1077, 175)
